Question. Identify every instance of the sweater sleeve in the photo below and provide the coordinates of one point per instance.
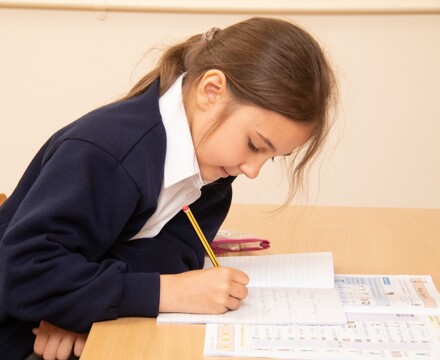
(51, 255)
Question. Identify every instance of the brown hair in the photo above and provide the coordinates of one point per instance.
(268, 62)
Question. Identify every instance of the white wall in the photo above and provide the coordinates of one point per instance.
(384, 149)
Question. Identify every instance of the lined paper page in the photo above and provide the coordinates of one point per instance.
(308, 270)
(283, 289)
(280, 306)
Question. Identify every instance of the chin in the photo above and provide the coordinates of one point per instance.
(210, 179)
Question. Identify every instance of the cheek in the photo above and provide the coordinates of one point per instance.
(224, 147)
(219, 154)
(208, 153)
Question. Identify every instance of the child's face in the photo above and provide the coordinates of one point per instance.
(246, 140)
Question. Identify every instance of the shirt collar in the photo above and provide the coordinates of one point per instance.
(180, 158)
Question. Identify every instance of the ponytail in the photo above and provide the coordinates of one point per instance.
(171, 65)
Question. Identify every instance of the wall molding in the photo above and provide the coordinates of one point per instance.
(236, 6)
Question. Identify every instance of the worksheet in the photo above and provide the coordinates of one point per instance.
(365, 336)
(408, 294)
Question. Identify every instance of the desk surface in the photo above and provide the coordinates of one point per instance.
(362, 240)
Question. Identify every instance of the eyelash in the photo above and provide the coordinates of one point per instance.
(252, 147)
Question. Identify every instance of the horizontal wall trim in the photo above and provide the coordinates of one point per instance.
(236, 6)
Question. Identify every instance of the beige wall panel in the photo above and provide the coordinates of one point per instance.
(384, 149)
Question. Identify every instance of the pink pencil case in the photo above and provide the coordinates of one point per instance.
(234, 241)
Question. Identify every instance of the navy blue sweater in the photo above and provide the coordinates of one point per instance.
(64, 255)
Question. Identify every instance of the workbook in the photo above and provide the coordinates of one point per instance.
(283, 289)
(364, 337)
(388, 317)
(395, 294)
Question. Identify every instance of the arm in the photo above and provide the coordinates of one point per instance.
(50, 254)
(198, 291)
(54, 257)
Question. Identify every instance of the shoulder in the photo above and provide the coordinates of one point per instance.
(120, 127)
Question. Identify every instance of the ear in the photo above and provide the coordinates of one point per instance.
(211, 88)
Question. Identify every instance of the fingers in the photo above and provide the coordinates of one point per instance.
(239, 276)
(238, 291)
(79, 345)
(234, 287)
(65, 347)
(54, 343)
(235, 282)
(50, 349)
(40, 342)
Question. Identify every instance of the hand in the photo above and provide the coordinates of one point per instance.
(211, 291)
(54, 343)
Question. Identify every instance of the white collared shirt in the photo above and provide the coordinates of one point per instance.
(182, 180)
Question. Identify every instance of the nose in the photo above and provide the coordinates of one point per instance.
(251, 169)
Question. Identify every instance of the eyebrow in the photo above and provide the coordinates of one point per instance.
(269, 143)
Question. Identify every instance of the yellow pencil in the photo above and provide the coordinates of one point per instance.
(201, 236)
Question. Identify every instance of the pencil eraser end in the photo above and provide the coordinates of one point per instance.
(185, 208)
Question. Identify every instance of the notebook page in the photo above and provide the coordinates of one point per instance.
(308, 270)
(283, 289)
(280, 306)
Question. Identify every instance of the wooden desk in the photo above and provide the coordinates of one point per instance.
(362, 240)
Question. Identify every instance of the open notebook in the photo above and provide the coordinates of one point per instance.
(283, 289)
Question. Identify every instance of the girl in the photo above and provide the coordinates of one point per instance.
(94, 229)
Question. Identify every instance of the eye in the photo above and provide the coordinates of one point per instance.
(252, 147)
